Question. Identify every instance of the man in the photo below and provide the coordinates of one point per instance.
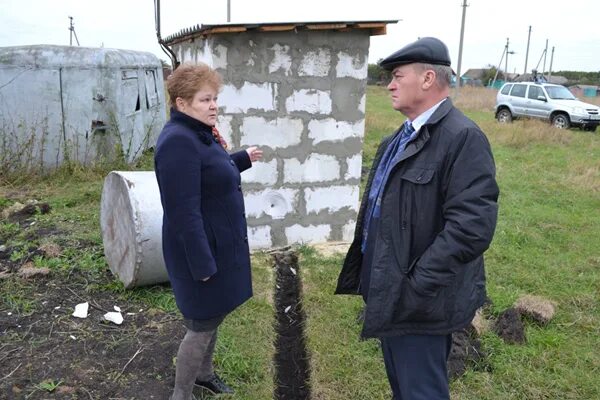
(427, 216)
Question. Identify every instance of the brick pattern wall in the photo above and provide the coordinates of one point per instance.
(300, 96)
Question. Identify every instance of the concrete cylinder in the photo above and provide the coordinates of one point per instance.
(131, 222)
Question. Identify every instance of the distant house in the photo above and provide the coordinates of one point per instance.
(585, 90)
(474, 76)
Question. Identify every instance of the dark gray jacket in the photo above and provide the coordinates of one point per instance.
(438, 215)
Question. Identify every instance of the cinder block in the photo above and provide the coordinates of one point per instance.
(333, 198)
(316, 168)
(276, 203)
(261, 172)
(309, 100)
(224, 127)
(348, 231)
(307, 234)
(329, 129)
(354, 164)
(275, 133)
(259, 237)
(257, 96)
(315, 63)
(351, 66)
(281, 59)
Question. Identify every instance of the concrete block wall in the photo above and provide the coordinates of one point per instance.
(300, 96)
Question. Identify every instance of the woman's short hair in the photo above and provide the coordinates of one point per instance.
(188, 79)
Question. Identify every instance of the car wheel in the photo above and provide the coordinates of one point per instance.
(590, 128)
(561, 121)
(504, 116)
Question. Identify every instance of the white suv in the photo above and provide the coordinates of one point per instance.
(554, 103)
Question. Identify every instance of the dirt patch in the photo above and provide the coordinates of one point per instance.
(510, 327)
(466, 353)
(48, 354)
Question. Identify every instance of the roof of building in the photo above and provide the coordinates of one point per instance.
(475, 73)
(374, 27)
(74, 56)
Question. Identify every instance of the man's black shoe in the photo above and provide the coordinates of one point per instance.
(215, 385)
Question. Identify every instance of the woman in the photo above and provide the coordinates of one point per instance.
(205, 243)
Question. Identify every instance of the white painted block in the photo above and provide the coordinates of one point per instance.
(310, 100)
(315, 63)
(348, 231)
(224, 127)
(276, 203)
(307, 234)
(281, 59)
(259, 237)
(219, 56)
(363, 102)
(261, 172)
(259, 96)
(275, 133)
(316, 168)
(351, 66)
(332, 198)
(329, 129)
(354, 164)
(187, 55)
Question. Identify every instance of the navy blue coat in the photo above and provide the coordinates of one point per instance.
(204, 224)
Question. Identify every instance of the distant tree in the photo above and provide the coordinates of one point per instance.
(488, 74)
(580, 77)
(377, 75)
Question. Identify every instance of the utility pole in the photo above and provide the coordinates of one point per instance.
(228, 10)
(545, 53)
(72, 29)
(460, 46)
(506, 61)
(527, 52)
(551, 59)
(499, 64)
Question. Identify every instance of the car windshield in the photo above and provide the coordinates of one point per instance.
(559, 93)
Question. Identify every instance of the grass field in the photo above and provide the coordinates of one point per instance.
(547, 243)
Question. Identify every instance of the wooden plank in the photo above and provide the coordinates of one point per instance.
(325, 26)
(224, 29)
(379, 31)
(277, 28)
(369, 25)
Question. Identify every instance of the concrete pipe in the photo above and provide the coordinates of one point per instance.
(131, 221)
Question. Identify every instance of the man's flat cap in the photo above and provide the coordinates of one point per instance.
(427, 50)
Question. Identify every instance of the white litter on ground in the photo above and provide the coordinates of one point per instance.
(81, 310)
(114, 317)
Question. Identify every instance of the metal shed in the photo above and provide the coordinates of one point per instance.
(60, 103)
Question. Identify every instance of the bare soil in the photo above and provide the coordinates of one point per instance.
(46, 353)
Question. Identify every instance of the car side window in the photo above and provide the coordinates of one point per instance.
(534, 92)
(506, 89)
(518, 90)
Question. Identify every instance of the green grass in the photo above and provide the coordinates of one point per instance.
(546, 243)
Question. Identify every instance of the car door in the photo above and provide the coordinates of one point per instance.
(518, 100)
(537, 102)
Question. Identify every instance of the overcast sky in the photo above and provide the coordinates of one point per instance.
(570, 26)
